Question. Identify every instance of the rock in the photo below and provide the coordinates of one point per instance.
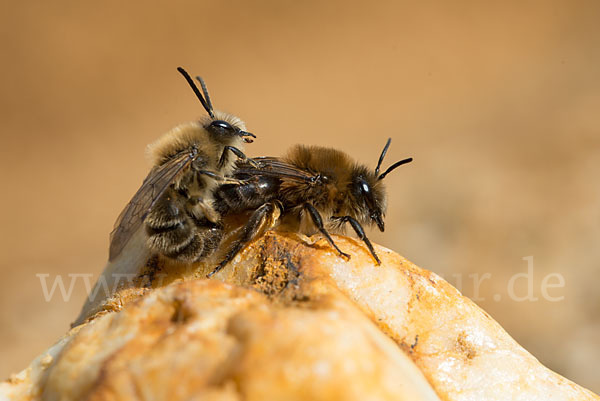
(287, 320)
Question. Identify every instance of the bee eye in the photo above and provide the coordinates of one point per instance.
(365, 193)
(224, 125)
(365, 188)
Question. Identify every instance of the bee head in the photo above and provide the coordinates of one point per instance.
(369, 191)
(222, 127)
(369, 197)
(226, 128)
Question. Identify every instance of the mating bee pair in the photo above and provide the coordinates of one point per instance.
(195, 183)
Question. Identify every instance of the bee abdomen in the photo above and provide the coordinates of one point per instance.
(176, 234)
(203, 243)
(170, 239)
(249, 195)
(165, 214)
(168, 227)
(228, 198)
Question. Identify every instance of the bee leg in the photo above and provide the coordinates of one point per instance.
(217, 177)
(360, 233)
(255, 225)
(318, 222)
(238, 153)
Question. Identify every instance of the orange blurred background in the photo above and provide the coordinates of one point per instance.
(497, 102)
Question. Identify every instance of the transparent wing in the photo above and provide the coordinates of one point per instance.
(154, 185)
(275, 167)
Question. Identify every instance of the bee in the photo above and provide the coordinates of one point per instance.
(310, 189)
(175, 202)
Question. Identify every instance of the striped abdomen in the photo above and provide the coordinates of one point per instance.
(174, 233)
(232, 199)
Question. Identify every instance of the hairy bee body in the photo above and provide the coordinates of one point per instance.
(183, 224)
(175, 202)
(311, 189)
(331, 173)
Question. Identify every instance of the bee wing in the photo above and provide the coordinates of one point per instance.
(154, 185)
(275, 167)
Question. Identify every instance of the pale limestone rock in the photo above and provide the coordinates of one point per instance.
(288, 320)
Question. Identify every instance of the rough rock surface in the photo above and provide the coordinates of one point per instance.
(288, 320)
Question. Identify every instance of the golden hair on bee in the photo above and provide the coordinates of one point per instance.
(310, 189)
(175, 201)
(346, 187)
(195, 133)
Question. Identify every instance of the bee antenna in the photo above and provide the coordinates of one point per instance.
(383, 152)
(190, 81)
(393, 166)
(203, 85)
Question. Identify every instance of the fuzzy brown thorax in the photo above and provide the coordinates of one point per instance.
(344, 187)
